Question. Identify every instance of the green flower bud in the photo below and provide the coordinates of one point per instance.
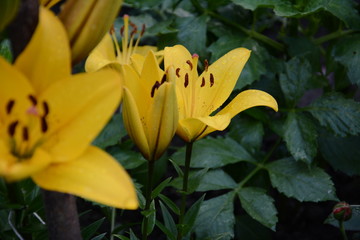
(8, 10)
(342, 211)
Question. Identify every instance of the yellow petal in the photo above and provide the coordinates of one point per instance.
(133, 123)
(137, 61)
(23, 169)
(144, 50)
(13, 86)
(79, 107)
(95, 175)
(102, 55)
(151, 71)
(49, 3)
(225, 73)
(244, 100)
(46, 59)
(162, 117)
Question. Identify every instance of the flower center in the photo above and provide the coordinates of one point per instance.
(26, 133)
(127, 40)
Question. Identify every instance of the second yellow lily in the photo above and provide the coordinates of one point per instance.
(150, 109)
(200, 96)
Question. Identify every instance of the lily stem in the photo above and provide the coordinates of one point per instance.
(185, 188)
(148, 198)
(342, 230)
(113, 216)
(61, 216)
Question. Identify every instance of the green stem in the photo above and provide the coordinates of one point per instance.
(342, 230)
(112, 226)
(185, 187)
(148, 197)
(332, 36)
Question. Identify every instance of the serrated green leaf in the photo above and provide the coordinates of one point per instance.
(337, 113)
(169, 222)
(192, 33)
(112, 133)
(254, 68)
(214, 153)
(295, 80)
(216, 180)
(342, 153)
(296, 179)
(216, 217)
(300, 136)
(347, 52)
(170, 204)
(343, 9)
(160, 187)
(191, 215)
(259, 206)
(91, 229)
(248, 132)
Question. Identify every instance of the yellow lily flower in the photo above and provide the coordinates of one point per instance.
(49, 118)
(109, 53)
(149, 107)
(199, 96)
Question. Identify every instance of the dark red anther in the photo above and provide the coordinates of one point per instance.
(206, 64)
(44, 125)
(212, 81)
(186, 83)
(33, 99)
(190, 64)
(142, 30)
(122, 31)
(112, 29)
(12, 128)
(156, 86)
(25, 134)
(177, 71)
(9, 106)
(202, 82)
(46, 108)
(163, 79)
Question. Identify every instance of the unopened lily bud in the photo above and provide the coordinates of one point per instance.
(86, 22)
(342, 211)
(8, 10)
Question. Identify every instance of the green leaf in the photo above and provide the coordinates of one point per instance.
(248, 132)
(191, 215)
(259, 206)
(112, 133)
(99, 237)
(216, 218)
(342, 9)
(160, 187)
(300, 136)
(216, 180)
(347, 52)
(342, 153)
(295, 80)
(170, 204)
(214, 153)
(169, 222)
(296, 179)
(151, 215)
(337, 113)
(127, 157)
(195, 178)
(91, 229)
(254, 68)
(5, 50)
(192, 33)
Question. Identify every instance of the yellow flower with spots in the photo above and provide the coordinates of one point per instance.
(109, 53)
(149, 107)
(200, 96)
(48, 119)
